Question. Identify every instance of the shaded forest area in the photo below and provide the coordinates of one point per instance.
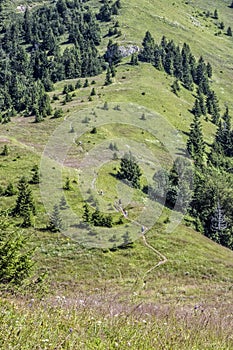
(211, 203)
(43, 45)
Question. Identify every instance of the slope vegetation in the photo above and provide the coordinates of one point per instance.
(122, 298)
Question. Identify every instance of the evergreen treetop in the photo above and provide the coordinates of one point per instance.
(15, 258)
(130, 170)
(24, 199)
(55, 221)
(195, 143)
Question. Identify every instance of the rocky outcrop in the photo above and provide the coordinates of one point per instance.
(128, 50)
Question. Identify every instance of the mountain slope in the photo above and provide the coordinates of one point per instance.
(184, 303)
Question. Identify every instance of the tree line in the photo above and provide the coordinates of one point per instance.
(211, 195)
(186, 69)
(213, 180)
(32, 58)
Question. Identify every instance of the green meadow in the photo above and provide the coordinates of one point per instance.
(93, 295)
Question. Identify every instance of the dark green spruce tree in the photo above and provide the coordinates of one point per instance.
(15, 258)
(108, 79)
(212, 105)
(55, 221)
(63, 204)
(86, 213)
(229, 31)
(222, 146)
(197, 112)
(195, 143)
(227, 134)
(147, 53)
(36, 176)
(24, 201)
(130, 170)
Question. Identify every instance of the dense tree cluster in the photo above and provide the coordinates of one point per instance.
(181, 63)
(31, 59)
(213, 180)
(221, 151)
(107, 10)
(176, 61)
(113, 54)
(174, 187)
(95, 217)
(213, 169)
(212, 197)
(130, 170)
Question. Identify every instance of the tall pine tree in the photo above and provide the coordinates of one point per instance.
(195, 143)
(24, 201)
(130, 170)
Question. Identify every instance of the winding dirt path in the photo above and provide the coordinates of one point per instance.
(163, 258)
(160, 255)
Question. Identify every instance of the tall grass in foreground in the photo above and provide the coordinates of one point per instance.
(74, 324)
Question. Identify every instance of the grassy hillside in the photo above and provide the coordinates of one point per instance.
(173, 288)
(184, 21)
